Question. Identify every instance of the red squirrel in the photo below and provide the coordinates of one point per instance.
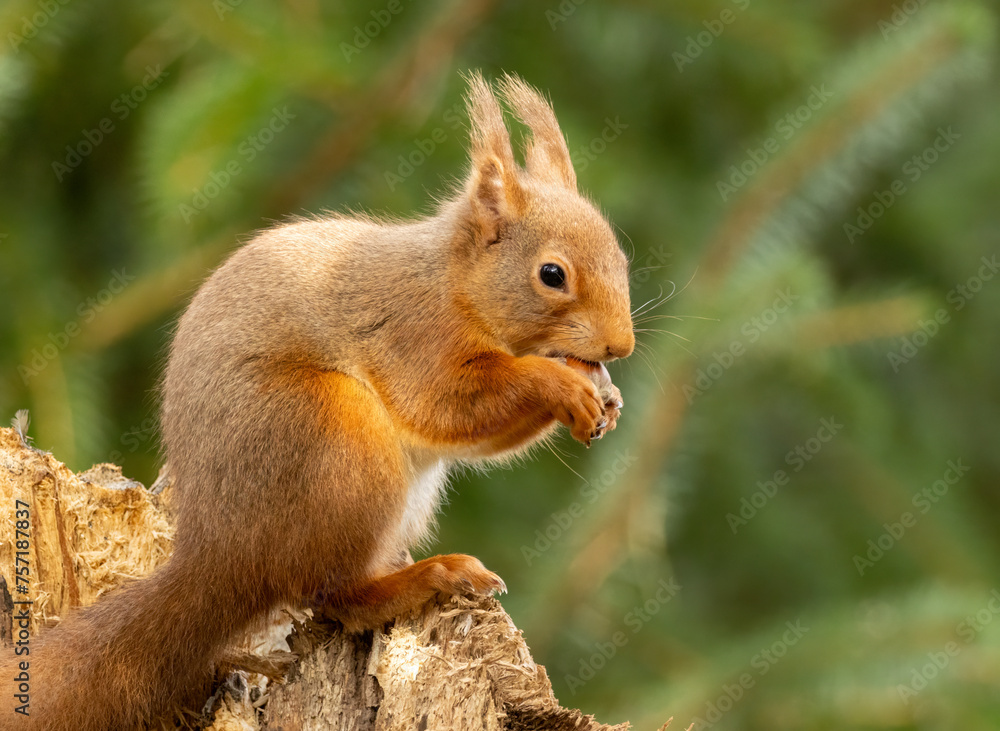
(318, 387)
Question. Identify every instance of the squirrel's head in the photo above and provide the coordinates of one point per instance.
(540, 264)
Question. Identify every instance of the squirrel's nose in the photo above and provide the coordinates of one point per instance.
(621, 348)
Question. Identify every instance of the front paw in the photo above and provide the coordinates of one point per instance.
(575, 401)
(611, 397)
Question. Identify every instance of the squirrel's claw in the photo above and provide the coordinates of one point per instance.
(599, 429)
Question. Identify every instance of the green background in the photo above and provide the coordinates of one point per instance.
(795, 524)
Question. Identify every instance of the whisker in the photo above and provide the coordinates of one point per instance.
(648, 318)
(651, 268)
(569, 339)
(645, 358)
(656, 301)
(629, 239)
(647, 308)
(665, 332)
(638, 310)
(674, 342)
(682, 347)
(556, 455)
(541, 316)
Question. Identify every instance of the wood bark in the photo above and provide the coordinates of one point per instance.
(457, 664)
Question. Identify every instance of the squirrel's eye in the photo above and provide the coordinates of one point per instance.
(552, 275)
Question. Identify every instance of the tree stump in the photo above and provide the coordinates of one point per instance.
(460, 664)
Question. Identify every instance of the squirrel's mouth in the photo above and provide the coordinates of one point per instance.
(563, 355)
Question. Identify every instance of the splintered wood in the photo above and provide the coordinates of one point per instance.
(86, 533)
(459, 665)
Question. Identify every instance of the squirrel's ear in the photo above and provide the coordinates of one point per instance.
(494, 190)
(547, 156)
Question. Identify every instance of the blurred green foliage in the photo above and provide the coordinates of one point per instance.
(794, 526)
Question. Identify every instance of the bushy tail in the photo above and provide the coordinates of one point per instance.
(133, 656)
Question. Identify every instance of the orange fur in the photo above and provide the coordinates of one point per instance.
(318, 387)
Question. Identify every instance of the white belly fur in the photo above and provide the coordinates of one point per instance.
(422, 502)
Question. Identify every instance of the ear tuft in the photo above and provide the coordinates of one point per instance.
(495, 191)
(489, 133)
(547, 156)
